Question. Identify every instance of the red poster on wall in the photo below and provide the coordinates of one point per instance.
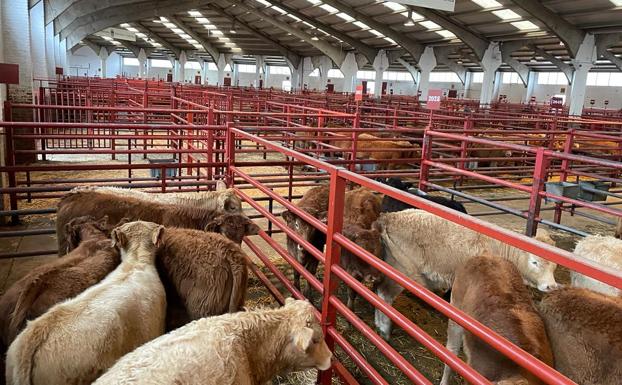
(358, 94)
(434, 99)
(9, 73)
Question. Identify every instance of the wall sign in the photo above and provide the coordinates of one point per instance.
(9, 73)
(434, 99)
(557, 102)
(443, 5)
(358, 94)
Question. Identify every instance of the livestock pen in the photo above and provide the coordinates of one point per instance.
(272, 147)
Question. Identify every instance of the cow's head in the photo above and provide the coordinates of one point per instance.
(306, 348)
(233, 226)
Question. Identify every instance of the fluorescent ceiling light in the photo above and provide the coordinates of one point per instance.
(279, 10)
(314, 2)
(195, 13)
(125, 25)
(202, 20)
(390, 40)
(361, 25)
(617, 3)
(376, 33)
(506, 14)
(263, 2)
(487, 3)
(524, 25)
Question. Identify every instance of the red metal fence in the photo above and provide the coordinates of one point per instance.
(264, 141)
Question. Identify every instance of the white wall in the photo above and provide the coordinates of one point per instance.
(85, 61)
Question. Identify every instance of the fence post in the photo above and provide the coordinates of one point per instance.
(332, 256)
(355, 138)
(424, 171)
(535, 200)
(9, 160)
(568, 144)
(230, 154)
(210, 141)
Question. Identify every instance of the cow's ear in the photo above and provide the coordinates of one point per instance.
(303, 337)
(118, 238)
(252, 229)
(288, 216)
(323, 216)
(103, 222)
(72, 235)
(221, 186)
(214, 225)
(157, 236)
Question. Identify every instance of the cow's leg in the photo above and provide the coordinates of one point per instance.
(352, 292)
(387, 290)
(454, 342)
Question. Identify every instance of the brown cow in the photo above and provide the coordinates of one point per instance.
(205, 273)
(585, 329)
(60, 279)
(118, 207)
(491, 290)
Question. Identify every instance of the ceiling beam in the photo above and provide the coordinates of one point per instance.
(477, 43)
(334, 53)
(507, 49)
(96, 21)
(413, 47)
(369, 52)
(568, 33)
(158, 39)
(442, 56)
(134, 49)
(82, 8)
(294, 57)
(567, 69)
(207, 46)
(603, 42)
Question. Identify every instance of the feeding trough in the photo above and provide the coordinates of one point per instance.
(589, 191)
(157, 172)
(565, 189)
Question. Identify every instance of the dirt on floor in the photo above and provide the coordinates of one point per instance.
(426, 318)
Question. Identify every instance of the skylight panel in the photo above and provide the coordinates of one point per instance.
(390, 40)
(345, 16)
(195, 13)
(487, 3)
(376, 33)
(329, 8)
(525, 25)
(202, 20)
(394, 6)
(263, 2)
(446, 34)
(506, 14)
(308, 24)
(210, 26)
(429, 24)
(294, 17)
(314, 2)
(617, 3)
(279, 10)
(361, 25)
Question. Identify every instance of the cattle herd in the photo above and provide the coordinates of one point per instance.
(150, 289)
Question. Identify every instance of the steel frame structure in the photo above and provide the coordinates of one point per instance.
(209, 130)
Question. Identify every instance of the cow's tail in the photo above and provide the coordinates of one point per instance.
(24, 302)
(238, 290)
(21, 354)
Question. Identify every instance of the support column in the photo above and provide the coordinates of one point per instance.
(381, 64)
(37, 41)
(427, 63)
(259, 70)
(490, 64)
(49, 50)
(324, 64)
(349, 68)
(103, 58)
(295, 73)
(413, 71)
(497, 87)
(468, 80)
(203, 65)
(182, 67)
(583, 62)
(235, 81)
(148, 70)
(221, 64)
(531, 85)
(142, 64)
(15, 35)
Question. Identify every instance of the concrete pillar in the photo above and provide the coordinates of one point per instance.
(380, 64)
(15, 36)
(203, 65)
(62, 52)
(490, 65)
(37, 41)
(427, 63)
(295, 74)
(497, 86)
(324, 64)
(103, 58)
(148, 69)
(142, 64)
(49, 50)
(236, 74)
(531, 85)
(221, 64)
(259, 70)
(583, 62)
(349, 68)
(468, 81)
(182, 67)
